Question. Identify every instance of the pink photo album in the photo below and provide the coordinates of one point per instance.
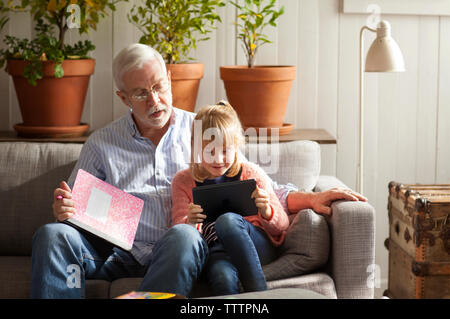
(105, 211)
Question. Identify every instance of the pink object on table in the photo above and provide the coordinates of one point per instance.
(105, 210)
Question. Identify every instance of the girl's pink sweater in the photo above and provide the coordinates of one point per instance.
(183, 183)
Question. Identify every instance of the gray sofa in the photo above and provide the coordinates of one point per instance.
(328, 255)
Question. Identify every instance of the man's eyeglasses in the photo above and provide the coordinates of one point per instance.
(141, 95)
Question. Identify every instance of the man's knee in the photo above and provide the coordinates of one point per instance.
(51, 234)
(187, 236)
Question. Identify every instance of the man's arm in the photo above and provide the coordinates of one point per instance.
(282, 192)
(320, 202)
(90, 161)
(295, 200)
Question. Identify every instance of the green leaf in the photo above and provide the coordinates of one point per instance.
(250, 32)
(180, 23)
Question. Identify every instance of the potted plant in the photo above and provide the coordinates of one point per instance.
(258, 93)
(173, 28)
(50, 77)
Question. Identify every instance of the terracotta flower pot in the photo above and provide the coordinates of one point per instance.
(53, 102)
(185, 82)
(260, 94)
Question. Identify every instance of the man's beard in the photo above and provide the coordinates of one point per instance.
(162, 119)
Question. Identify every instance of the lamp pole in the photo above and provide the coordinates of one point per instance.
(384, 55)
(360, 187)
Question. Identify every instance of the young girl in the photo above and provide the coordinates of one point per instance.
(238, 246)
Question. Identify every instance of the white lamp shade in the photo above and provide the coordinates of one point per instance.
(384, 54)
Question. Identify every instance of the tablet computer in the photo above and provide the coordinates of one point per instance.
(217, 199)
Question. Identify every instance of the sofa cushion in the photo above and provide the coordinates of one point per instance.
(305, 248)
(29, 172)
(15, 277)
(296, 162)
(278, 293)
(319, 282)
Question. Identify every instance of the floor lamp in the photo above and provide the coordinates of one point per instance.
(384, 55)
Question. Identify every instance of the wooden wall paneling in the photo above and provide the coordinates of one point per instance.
(4, 87)
(308, 56)
(102, 81)
(328, 78)
(405, 30)
(427, 99)
(225, 50)
(348, 97)
(124, 34)
(443, 113)
(20, 26)
(288, 29)
(206, 54)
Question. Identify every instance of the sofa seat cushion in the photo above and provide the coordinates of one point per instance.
(279, 293)
(15, 278)
(321, 283)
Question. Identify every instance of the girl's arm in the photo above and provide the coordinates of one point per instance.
(180, 199)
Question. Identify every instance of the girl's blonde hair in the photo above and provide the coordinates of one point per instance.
(223, 118)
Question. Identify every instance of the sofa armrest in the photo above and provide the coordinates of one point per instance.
(352, 228)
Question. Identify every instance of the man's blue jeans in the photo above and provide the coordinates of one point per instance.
(237, 256)
(63, 258)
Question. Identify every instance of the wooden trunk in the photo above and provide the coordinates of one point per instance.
(419, 241)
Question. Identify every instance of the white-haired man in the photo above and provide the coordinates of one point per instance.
(140, 154)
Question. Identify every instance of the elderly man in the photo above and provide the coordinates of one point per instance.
(139, 153)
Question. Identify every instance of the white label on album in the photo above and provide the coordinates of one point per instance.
(98, 205)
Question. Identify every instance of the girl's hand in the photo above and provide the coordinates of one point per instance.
(63, 205)
(262, 202)
(195, 215)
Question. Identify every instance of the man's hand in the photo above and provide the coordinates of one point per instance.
(321, 202)
(63, 205)
(195, 215)
(262, 202)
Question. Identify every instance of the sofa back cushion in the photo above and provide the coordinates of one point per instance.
(296, 162)
(29, 172)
